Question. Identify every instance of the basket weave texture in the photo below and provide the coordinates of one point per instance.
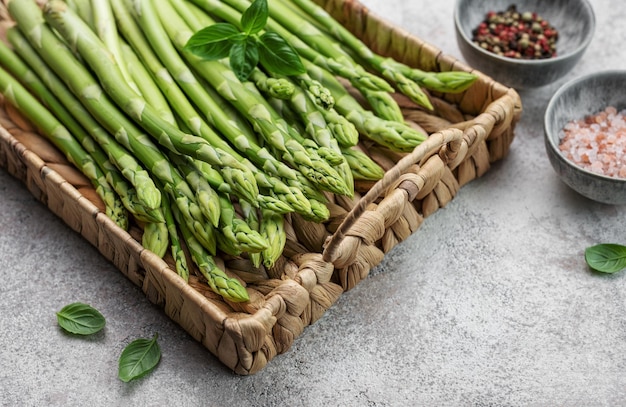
(469, 131)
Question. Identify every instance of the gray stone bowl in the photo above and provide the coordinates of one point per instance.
(574, 100)
(574, 20)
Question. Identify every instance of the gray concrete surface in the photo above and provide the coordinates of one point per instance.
(489, 304)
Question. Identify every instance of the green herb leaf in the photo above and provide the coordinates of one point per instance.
(213, 42)
(244, 56)
(255, 17)
(606, 257)
(139, 358)
(278, 56)
(80, 319)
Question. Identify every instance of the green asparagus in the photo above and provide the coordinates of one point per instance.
(253, 106)
(446, 82)
(79, 36)
(30, 22)
(35, 112)
(176, 248)
(186, 111)
(273, 230)
(229, 288)
(140, 199)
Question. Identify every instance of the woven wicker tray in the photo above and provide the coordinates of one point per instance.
(470, 131)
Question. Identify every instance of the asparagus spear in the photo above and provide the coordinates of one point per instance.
(30, 22)
(314, 126)
(176, 248)
(272, 228)
(79, 36)
(445, 82)
(251, 217)
(84, 9)
(206, 197)
(185, 78)
(253, 106)
(344, 131)
(362, 166)
(36, 113)
(155, 238)
(104, 26)
(266, 199)
(394, 135)
(354, 73)
(118, 165)
(278, 88)
(384, 105)
(229, 288)
(236, 236)
(320, 95)
(147, 88)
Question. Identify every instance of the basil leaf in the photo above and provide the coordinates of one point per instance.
(244, 56)
(277, 56)
(139, 358)
(606, 257)
(255, 17)
(213, 42)
(80, 319)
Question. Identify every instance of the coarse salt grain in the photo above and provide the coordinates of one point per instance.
(597, 142)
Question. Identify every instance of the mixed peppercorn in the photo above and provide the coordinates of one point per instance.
(516, 35)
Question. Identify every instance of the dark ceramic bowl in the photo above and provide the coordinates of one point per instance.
(575, 100)
(574, 20)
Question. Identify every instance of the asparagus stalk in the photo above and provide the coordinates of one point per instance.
(361, 165)
(272, 228)
(79, 36)
(191, 214)
(316, 128)
(320, 95)
(176, 248)
(227, 287)
(278, 88)
(445, 82)
(394, 135)
(342, 67)
(251, 217)
(266, 199)
(147, 88)
(118, 165)
(256, 109)
(206, 197)
(49, 126)
(236, 235)
(186, 80)
(30, 21)
(104, 26)
(84, 9)
(194, 16)
(342, 129)
(384, 105)
(155, 238)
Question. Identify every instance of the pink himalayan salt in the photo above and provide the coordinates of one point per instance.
(597, 142)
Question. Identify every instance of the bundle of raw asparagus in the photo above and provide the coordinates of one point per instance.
(179, 143)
